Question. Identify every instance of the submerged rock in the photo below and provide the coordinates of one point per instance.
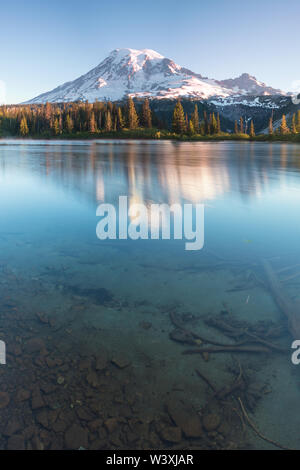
(92, 379)
(60, 380)
(4, 399)
(146, 325)
(171, 434)
(42, 317)
(34, 345)
(37, 400)
(12, 427)
(211, 422)
(22, 395)
(101, 362)
(16, 443)
(95, 424)
(60, 425)
(84, 414)
(111, 424)
(120, 362)
(75, 437)
(185, 416)
(42, 418)
(98, 296)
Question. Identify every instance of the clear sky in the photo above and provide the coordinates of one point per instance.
(46, 43)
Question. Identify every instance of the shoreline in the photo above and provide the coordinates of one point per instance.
(133, 136)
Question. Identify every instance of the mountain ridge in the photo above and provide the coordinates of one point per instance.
(147, 73)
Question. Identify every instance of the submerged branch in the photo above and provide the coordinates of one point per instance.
(252, 425)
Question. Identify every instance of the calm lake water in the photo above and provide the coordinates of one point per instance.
(95, 330)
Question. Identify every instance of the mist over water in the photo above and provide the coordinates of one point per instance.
(69, 300)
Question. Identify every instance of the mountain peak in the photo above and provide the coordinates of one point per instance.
(137, 52)
(147, 73)
(246, 75)
(247, 84)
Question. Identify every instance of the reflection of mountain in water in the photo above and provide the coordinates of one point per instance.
(158, 171)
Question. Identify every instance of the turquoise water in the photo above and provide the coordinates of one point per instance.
(87, 322)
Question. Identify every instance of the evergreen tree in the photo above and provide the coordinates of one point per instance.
(186, 122)
(60, 123)
(202, 127)
(100, 120)
(206, 124)
(191, 129)
(178, 121)
(132, 117)
(252, 131)
(284, 127)
(298, 120)
(294, 127)
(271, 126)
(213, 124)
(146, 117)
(195, 119)
(110, 107)
(24, 127)
(108, 121)
(56, 128)
(69, 124)
(48, 112)
(92, 123)
(236, 129)
(218, 124)
(120, 120)
(241, 125)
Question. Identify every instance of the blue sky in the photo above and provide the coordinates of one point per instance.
(44, 44)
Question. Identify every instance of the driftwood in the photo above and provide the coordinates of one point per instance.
(238, 332)
(252, 425)
(290, 309)
(183, 335)
(287, 268)
(270, 345)
(176, 322)
(291, 277)
(206, 380)
(238, 385)
(225, 391)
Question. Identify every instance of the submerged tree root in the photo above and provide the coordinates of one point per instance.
(252, 425)
(206, 380)
(176, 322)
(289, 308)
(251, 343)
(238, 386)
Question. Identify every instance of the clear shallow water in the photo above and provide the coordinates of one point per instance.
(70, 301)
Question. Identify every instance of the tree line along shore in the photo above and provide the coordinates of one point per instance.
(125, 120)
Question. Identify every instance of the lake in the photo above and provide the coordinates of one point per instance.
(103, 336)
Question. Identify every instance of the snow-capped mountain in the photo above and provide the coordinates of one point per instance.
(141, 73)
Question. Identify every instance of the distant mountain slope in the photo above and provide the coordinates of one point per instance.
(245, 84)
(142, 73)
(259, 109)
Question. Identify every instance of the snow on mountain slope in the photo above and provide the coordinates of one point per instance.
(261, 101)
(141, 73)
(245, 84)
